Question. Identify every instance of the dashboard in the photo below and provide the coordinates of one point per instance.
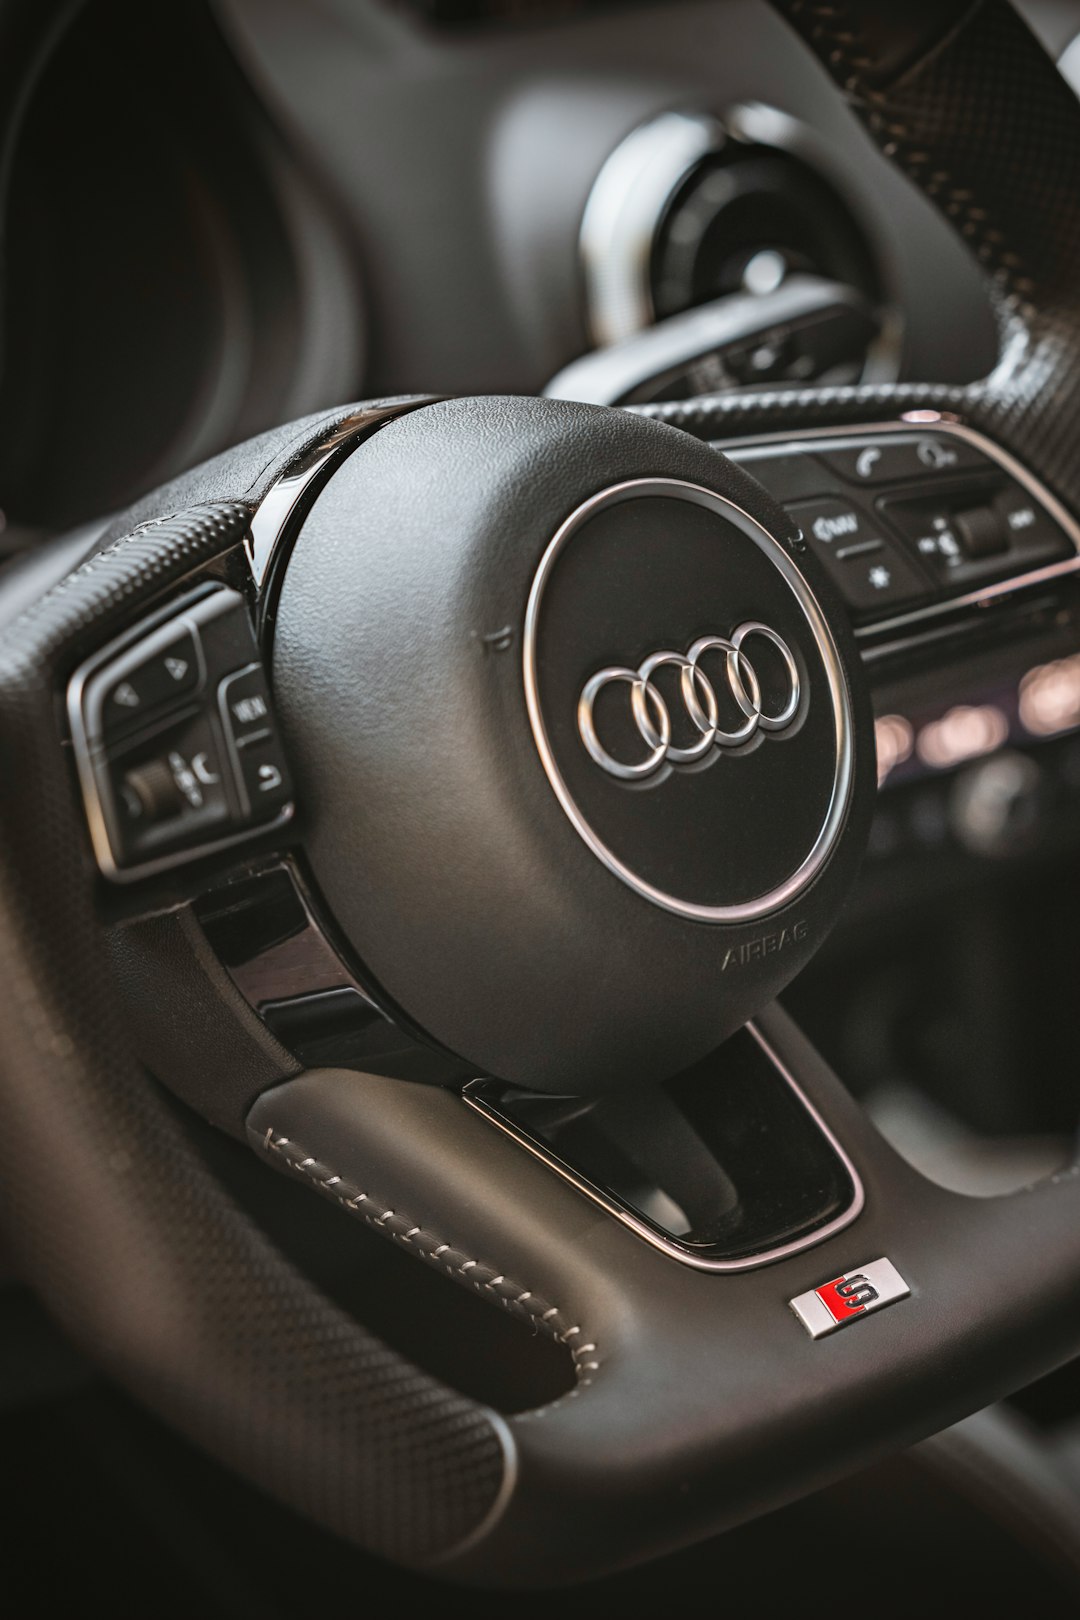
(359, 197)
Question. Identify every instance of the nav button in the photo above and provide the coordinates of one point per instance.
(872, 573)
(832, 524)
(151, 683)
(245, 706)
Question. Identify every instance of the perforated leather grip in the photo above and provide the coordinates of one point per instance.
(133, 1244)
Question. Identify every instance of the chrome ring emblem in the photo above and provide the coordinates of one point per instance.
(653, 717)
(831, 691)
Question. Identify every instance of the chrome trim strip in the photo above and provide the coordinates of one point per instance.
(272, 519)
(783, 893)
(651, 1235)
(935, 422)
(624, 209)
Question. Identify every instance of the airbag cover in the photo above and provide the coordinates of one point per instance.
(579, 735)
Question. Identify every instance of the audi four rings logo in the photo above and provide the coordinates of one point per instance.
(652, 716)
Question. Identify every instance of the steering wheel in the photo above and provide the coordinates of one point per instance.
(580, 745)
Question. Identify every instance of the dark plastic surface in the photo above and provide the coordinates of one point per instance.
(522, 121)
(283, 963)
(724, 1160)
(200, 286)
(931, 510)
(434, 835)
(179, 744)
(747, 197)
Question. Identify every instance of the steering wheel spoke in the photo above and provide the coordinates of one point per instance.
(700, 1397)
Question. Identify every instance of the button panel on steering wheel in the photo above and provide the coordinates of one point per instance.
(910, 522)
(175, 739)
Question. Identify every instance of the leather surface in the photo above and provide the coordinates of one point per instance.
(130, 1240)
(189, 1023)
(1000, 1461)
(708, 1402)
(887, 40)
(29, 574)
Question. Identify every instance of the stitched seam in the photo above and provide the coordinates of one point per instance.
(196, 527)
(523, 1303)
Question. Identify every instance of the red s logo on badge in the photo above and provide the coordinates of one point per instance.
(846, 1296)
(849, 1297)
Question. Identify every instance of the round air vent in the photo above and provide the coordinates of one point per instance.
(743, 221)
(689, 209)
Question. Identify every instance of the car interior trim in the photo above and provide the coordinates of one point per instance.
(279, 507)
(543, 1316)
(92, 763)
(605, 1200)
(480, 1275)
(218, 1067)
(625, 206)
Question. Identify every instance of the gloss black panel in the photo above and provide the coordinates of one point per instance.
(289, 972)
(724, 1162)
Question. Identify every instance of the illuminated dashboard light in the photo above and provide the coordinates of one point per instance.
(964, 733)
(1050, 697)
(894, 739)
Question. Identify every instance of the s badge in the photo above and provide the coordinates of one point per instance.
(848, 1297)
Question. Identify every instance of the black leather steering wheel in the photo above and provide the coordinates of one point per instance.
(421, 604)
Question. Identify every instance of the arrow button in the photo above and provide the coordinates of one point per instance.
(151, 682)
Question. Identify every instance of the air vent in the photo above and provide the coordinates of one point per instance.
(689, 209)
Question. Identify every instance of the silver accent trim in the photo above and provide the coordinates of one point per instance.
(763, 905)
(624, 208)
(935, 422)
(272, 519)
(503, 1495)
(1069, 64)
(699, 697)
(649, 1234)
